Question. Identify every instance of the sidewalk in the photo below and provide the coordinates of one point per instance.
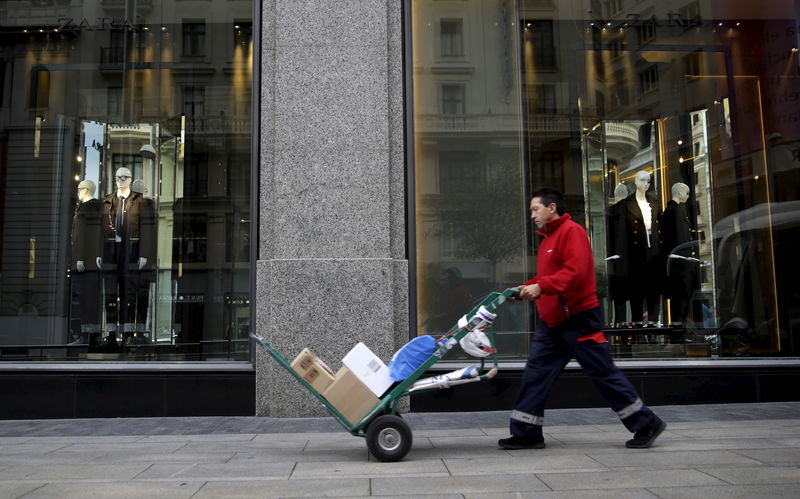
(736, 450)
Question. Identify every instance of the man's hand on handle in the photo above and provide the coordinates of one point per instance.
(530, 292)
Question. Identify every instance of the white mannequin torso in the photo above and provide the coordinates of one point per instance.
(647, 213)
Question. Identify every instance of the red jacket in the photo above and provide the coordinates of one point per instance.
(565, 271)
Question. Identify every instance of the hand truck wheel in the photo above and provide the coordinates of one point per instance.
(389, 438)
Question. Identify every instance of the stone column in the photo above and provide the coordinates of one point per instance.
(332, 267)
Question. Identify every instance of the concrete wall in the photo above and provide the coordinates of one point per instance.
(332, 267)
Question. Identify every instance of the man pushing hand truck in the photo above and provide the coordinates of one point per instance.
(570, 324)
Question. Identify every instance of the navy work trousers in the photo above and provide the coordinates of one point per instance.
(550, 351)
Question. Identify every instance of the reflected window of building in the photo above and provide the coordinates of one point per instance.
(194, 101)
(194, 38)
(452, 98)
(40, 88)
(242, 34)
(646, 31)
(648, 80)
(616, 47)
(544, 98)
(451, 37)
(539, 33)
(691, 65)
(196, 175)
(114, 101)
(613, 7)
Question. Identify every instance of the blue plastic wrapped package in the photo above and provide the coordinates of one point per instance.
(413, 354)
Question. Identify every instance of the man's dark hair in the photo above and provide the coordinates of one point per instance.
(548, 196)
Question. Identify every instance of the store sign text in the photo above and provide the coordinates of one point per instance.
(101, 24)
(673, 19)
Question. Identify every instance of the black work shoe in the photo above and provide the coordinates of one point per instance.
(516, 442)
(645, 437)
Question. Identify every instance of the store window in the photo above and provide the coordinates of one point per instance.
(124, 206)
(678, 154)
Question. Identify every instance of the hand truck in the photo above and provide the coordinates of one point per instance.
(387, 435)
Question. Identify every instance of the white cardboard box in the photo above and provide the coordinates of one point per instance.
(369, 369)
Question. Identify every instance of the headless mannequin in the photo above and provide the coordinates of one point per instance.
(617, 286)
(682, 267)
(642, 262)
(86, 243)
(127, 235)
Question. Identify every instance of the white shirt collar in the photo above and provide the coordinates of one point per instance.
(120, 195)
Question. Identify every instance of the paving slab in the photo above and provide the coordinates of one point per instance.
(755, 475)
(435, 495)
(356, 455)
(739, 432)
(116, 490)
(237, 471)
(658, 458)
(591, 480)
(422, 468)
(521, 463)
(789, 455)
(31, 448)
(719, 444)
(739, 423)
(571, 494)
(212, 437)
(18, 489)
(122, 447)
(458, 484)
(621, 436)
(59, 472)
(459, 450)
(787, 491)
(347, 487)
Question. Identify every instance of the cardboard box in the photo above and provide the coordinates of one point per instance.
(350, 396)
(315, 372)
(369, 369)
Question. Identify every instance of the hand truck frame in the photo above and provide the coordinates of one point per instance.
(388, 436)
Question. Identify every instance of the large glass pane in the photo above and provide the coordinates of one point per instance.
(470, 212)
(125, 134)
(676, 109)
(672, 129)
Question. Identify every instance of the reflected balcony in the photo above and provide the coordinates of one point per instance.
(622, 140)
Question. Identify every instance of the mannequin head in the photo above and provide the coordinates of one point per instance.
(680, 192)
(642, 181)
(138, 186)
(620, 192)
(85, 190)
(123, 178)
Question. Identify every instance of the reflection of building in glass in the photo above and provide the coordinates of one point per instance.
(467, 150)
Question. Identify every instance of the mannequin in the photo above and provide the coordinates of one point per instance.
(86, 243)
(641, 260)
(146, 275)
(617, 285)
(128, 245)
(682, 278)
